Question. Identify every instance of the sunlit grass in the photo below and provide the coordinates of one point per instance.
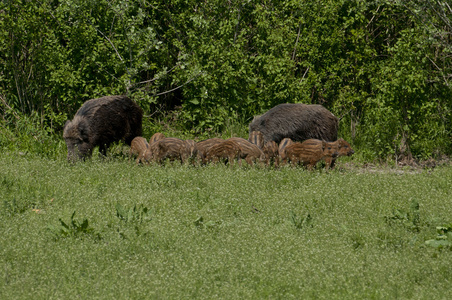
(220, 232)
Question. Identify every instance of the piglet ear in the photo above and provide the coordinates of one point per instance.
(323, 145)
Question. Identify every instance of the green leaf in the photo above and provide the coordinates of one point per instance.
(199, 221)
(438, 243)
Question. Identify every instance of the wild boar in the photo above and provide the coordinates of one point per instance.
(172, 149)
(282, 149)
(257, 138)
(203, 146)
(296, 121)
(309, 152)
(343, 148)
(153, 149)
(227, 150)
(156, 137)
(101, 122)
(138, 148)
(151, 153)
(271, 153)
(248, 151)
(190, 152)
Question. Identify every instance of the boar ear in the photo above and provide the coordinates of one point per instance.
(66, 124)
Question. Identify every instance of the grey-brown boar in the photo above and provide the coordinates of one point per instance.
(257, 138)
(156, 137)
(271, 153)
(298, 122)
(248, 151)
(138, 148)
(203, 146)
(282, 149)
(101, 122)
(310, 152)
(226, 150)
(343, 148)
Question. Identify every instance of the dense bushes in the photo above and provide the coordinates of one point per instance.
(382, 66)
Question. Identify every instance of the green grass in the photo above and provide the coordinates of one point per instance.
(180, 232)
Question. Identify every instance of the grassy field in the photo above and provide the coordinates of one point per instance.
(114, 230)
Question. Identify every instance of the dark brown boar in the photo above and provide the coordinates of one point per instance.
(156, 137)
(310, 152)
(203, 146)
(298, 122)
(227, 150)
(248, 151)
(138, 148)
(257, 138)
(282, 149)
(271, 153)
(101, 122)
(343, 148)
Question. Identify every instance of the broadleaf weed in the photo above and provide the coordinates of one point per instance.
(411, 218)
(74, 228)
(135, 214)
(300, 222)
(443, 238)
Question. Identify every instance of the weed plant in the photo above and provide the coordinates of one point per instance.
(109, 229)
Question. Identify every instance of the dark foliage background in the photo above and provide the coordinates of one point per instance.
(384, 67)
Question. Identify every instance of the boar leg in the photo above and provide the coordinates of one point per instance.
(329, 162)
